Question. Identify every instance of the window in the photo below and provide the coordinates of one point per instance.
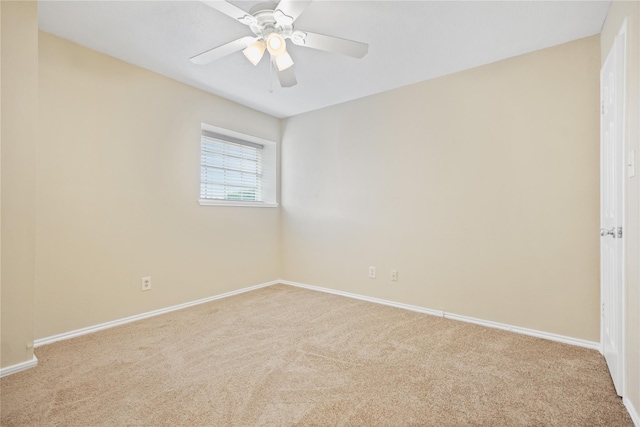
(235, 169)
(230, 170)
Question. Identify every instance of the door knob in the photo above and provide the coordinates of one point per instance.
(604, 232)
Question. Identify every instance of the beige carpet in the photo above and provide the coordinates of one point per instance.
(283, 356)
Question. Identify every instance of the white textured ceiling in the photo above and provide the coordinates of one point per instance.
(409, 41)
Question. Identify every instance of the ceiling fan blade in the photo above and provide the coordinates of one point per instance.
(330, 44)
(232, 11)
(291, 9)
(222, 51)
(287, 77)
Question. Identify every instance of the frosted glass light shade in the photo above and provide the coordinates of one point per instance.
(276, 44)
(283, 61)
(255, 51)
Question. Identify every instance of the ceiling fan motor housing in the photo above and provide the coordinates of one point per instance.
(266, 22)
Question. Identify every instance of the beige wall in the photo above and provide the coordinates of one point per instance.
(19, 76)
(118, 187)
(480, 188)
(618, 12)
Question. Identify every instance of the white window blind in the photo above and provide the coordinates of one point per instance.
(230, 168)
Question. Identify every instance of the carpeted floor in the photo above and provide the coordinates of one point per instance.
(282, 356)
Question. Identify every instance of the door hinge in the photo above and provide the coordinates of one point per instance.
(602, 107)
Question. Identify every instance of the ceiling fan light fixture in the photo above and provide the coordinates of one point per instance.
(255, 51)
(283, 61)
(276, 44)
(271, 25)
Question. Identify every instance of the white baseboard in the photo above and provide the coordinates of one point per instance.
(111, 324)
(438, 313)
(632, 411)
(19, 367)
(531, 332)
(525, 331)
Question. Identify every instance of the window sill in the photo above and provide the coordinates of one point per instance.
(210, 202)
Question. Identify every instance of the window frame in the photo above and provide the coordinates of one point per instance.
(268, 165)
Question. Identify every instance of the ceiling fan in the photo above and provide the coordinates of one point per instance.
(272, 25)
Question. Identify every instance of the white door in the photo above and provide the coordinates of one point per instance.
(612, 210)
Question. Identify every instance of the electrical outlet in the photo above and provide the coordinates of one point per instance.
(372, 272)
(146, 283)
(394, 275)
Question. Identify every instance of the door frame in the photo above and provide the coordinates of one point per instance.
(620, 44)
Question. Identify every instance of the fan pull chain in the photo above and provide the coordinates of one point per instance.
(270, 75)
